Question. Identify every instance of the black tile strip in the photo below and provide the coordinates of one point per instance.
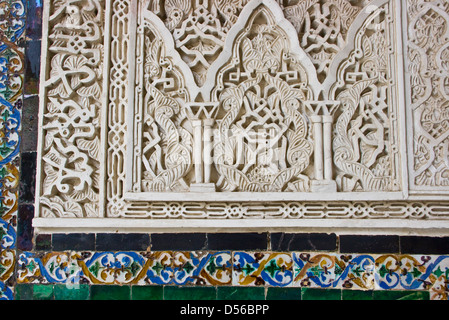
(237, 241)
(178, 241)
(369, 244)
(424, 245)
(42, 242)
(27, 177)
(24, 227)
(303, 241)
(73, 241)
(122, 241)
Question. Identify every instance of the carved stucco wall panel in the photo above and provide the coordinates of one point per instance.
(228, 110)
(70, 146)
(428, 43)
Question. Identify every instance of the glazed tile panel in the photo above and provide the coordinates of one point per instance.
(156, 268)
(364, 272)
(12, 29)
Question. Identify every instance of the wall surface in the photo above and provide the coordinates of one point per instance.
(167, 266)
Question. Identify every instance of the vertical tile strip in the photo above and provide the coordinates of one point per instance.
(12, 68)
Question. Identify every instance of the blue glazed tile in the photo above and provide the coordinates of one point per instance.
(415, 271)
(201, 268)
(97, 267)
(52, 267)
(314, 270)
(387, 274)
(160, 268)
(261, 268)
(354, 272)
(129, 268)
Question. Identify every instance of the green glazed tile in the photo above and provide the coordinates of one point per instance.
(189, 293)
(401, 295)
(357, 295)
(275, 293)
(24, 292)
(320, 294)
(147, 293)
(240, 293)
(110, 292)
(73, 292)
(42, 292)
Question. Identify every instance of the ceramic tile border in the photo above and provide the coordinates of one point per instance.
(12, 70)
(327, 270)
(252, 270)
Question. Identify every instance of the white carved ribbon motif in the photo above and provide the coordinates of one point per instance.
(223, 103)
(364, 152)
(264, 130)
(428, 55)
(199, 29)
(167, 150)
(71, 145)
(262, 140)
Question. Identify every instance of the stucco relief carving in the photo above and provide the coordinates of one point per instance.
(428, 56)
(229, 109)
(70, 159)
(276, 112)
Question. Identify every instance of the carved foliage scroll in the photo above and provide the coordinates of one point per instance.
(262, 141)
(70, 140)
(166, 147)
(428, 57)
(292, 96)
(273, 120)
(366, 148)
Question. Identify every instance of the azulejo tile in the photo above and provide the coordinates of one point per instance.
(202, 268)
(160, 268)
(53, 267)
(387, 274)
(7, 263)
(259, 268)
(130, 268)
(438, 276)
(314, 270)
(96, 267)
(359, 272)
(217, 269)
(354, 272)
(415, 271)
(187, 267)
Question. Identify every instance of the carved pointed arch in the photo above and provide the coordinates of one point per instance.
(277, 19)
(263, 140)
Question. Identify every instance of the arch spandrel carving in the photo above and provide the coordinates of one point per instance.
(229, 109)
(258, 124)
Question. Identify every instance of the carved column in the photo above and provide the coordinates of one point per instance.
(198, 150)
(201, 114)
(321, 116)
(318, 143)
(327, 146)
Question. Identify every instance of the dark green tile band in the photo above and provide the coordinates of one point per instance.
(240, 293)
(110, 292)
(189, 293)
(149, 292)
